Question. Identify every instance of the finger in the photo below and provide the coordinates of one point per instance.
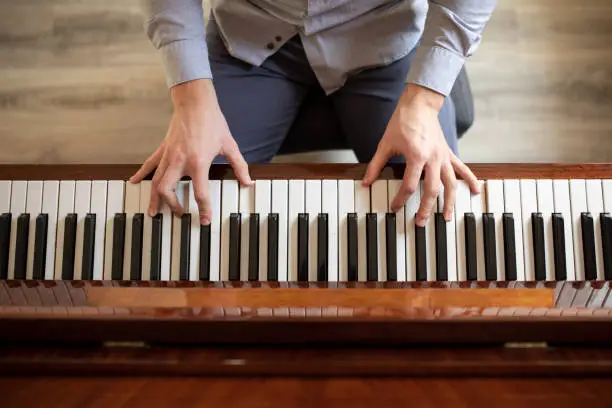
(154, 201)
(148, 166)
(200, 185)
(167, 188)
(240, 166)
(410, 184)
(376, 165)
(466, 174)
(430, 193)
(450, 190)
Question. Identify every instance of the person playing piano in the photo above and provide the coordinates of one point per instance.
(237, 84)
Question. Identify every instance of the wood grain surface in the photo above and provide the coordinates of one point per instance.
(79, 83)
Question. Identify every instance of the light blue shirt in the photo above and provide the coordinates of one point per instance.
(340, 37)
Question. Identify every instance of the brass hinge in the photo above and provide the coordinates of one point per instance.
(125, 344)
(526, 345)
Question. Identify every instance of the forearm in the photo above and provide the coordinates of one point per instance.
(176, 29)
(452, 33)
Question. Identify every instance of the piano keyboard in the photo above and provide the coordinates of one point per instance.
(525, 229)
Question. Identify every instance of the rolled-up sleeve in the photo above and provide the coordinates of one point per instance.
(452, 33)
(176, 29)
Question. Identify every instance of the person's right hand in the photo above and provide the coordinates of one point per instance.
(198, 132)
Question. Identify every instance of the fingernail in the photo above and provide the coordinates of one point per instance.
(205, 220)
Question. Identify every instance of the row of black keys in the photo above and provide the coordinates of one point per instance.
(372, 252)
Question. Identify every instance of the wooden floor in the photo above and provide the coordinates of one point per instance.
(79, 82)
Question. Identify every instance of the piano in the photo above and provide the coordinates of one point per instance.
(309, 274)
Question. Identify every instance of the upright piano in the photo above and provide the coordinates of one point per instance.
(309, 274)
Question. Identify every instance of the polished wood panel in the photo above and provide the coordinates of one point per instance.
(256, 392)
(285, 171)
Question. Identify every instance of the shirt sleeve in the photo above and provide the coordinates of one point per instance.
(176, 29)
(452, 33)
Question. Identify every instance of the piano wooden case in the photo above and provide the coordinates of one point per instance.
(518, 323)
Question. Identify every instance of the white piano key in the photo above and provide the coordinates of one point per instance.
(462, 206)
(296, 206)
(5, 196)
(529, 205)
(607, 195)
(114, 205)
(479, 206)
(182, 196)
(579, 205)
(394, 186)
(215, 230)
(247, 206)
(65, 207)
(329, 206)
(563, 206)
(312, 207)
(50, 206)
(451, 246)
(512, 194)
(595, 206)
(147, 230)
(18, 207)
(430, 248)
(346, 205)
(33, 207)
(194, 250)
(380, 206)
(82, 203)
(263, 206)
(166, 251)
(362, 207)
(229, 205)
(132, 206)
(280, 205)
(546, 206)
(99, 192)
(495, 205)
(410, 210)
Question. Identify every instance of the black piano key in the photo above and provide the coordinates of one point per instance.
(254, 247)
(606, 241)
(5, 240)
(137, 237)
(420, 245)
(372, 246)
(40, 246)
(509, 246)
(70, 227)
(185, 252)
(235, 225)
(490, 250)
(118, 246)
(322, 248)
(391, 244)
(156, 245)
(471, 260)
(539, 254)
(441, 248)
(559, 246)
(272, 247)
(205, 242)
(352, 247)
(302, 249)
(588, 246)
(21, 246)
(89, 241)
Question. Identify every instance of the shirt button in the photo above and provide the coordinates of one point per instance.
(270, 46)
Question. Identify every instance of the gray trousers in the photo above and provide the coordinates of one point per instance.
(279, 107)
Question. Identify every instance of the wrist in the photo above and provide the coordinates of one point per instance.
(194, 93)
(423, 97)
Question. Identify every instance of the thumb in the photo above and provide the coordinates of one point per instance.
(376, 164)
(240, 166)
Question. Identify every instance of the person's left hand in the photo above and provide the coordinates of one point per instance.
(414, 132)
